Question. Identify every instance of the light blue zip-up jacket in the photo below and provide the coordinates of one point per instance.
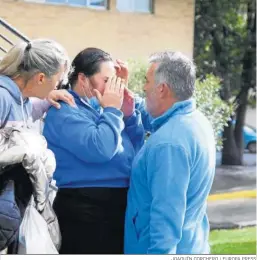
(171, 178)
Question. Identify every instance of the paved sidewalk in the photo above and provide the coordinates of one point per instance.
(234, 178)
(232, 202)
(225, 214)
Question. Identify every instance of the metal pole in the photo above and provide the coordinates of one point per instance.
(13, 30)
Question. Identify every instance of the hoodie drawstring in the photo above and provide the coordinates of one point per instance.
(22, 111)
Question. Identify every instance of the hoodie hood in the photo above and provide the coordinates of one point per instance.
(20, 110)
(8, 84)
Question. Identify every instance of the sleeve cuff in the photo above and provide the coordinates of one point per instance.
(113, 110)
(131, 119)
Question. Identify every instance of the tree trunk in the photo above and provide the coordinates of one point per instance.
(240, 120)
(233, 145)
(230, 152)
(248, 75)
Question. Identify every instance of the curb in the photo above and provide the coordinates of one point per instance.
(219, 226)
(244, 194)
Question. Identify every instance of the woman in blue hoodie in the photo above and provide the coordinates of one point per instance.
(94, 144)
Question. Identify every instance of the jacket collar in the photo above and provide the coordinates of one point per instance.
(85, 102)
(179, 108)
(77, 97)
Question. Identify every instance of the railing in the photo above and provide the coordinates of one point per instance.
(8, 42)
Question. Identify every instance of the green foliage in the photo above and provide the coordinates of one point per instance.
(206, 95)
(252, 98)
(137, 70)
(221, 41)
(225, 46)
(220, 38)
(212, 106)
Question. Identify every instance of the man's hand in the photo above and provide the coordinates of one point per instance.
(60, 95)
(122, 71)
(128, 106)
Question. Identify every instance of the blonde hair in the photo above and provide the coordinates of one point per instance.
(40, 55)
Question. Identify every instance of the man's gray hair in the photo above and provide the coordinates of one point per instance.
(177, 71)
(40, 55)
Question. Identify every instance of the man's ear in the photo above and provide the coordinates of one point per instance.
(164, 90)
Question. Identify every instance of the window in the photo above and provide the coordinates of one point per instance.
(96, 4)
(102, 4)
(140, 6)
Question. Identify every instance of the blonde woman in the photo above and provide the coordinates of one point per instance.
(31, 69)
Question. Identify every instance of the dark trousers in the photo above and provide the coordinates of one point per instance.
(91, 220)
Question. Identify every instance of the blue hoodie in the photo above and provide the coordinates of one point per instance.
(170, 181)
(14, 110)
(92, 149)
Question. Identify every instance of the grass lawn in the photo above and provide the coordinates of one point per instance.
(237, 241)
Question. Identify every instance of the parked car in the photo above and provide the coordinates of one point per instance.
(249, 136)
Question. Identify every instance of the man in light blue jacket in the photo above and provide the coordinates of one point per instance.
(173, 173)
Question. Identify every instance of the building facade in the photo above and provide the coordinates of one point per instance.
(125, 28)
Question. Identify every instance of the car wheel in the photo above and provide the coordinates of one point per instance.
(252, 147)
